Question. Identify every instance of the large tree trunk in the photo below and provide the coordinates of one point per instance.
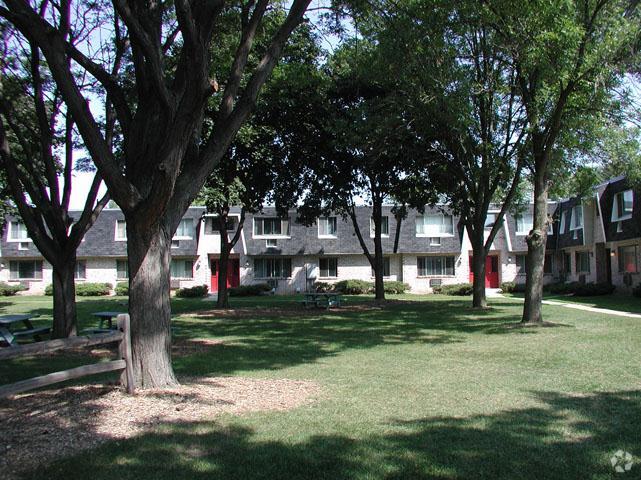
(479, 255)
(536, 252)
(64, 299)
(379, 286)
(223, 267)
(149, 254)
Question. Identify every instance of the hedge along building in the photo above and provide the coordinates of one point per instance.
(433, 248)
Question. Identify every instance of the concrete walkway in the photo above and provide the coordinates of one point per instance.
(578, 306)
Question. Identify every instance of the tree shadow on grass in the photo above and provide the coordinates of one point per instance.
(566, 437)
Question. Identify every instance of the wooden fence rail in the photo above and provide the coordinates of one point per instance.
(124, 363)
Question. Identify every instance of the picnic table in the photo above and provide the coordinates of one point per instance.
(9, 336)
(107, 317)
(321, 299)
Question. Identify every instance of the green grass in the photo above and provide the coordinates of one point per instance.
(621, 302)
(428, 389)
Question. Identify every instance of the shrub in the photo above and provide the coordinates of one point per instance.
(323, 287)
(7, 290)
(198, 291)
(353, 287)
(455, 289)
(396, 287)
(636, 291)
(93, 289)
(122, 288)
(508, 287)
(249, 290)
(593, 289)
(561, 288)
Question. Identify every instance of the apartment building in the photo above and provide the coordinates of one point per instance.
(591, 239)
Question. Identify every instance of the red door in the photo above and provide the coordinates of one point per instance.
(233, 273)
(491, 271)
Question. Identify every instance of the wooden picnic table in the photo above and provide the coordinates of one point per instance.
(322, 299)
(10, 336)
(108, 318)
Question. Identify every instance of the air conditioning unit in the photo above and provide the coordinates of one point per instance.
(436, 282)
(273, 284)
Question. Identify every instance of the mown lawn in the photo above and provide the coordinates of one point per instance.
(621, 302)
(426, 389)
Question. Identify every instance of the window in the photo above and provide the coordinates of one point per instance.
(434, 225)
(121, 230)
(211, 225)
(582, 262)
(521, 264)
(271, 243)
(274, 226)
(567, 263)
(273, 268)
(548, 265)
(181, 269)
(490, 220)
(23, 246)
(628, 259)
(576, 220)
(18, 232)
(185, 230)
(524, 223)
(386, 267)
(327, 226)
(328, 267)
(122, 269)
(384, 226)
(81, 270)
(622, 206)
(563, 222)
(175, 244)
(435, 241)
(25, 270)
(435, 266)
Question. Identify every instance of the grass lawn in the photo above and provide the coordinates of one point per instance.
(624, 303)
(425, 389)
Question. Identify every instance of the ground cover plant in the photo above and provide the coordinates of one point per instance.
(422, 387)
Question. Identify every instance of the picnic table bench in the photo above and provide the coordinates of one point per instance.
(106, 322)
(9, 336)
(321, 300)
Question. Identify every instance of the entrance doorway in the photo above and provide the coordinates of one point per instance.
(233, 273)
(491, 271)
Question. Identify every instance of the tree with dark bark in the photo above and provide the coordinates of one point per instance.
(34, 133)
(567, 58)
(167, 153)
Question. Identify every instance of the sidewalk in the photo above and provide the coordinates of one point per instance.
(578, 306)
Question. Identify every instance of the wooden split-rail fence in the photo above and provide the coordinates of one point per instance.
(121, 336)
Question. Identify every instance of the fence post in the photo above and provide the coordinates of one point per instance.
(124, 350)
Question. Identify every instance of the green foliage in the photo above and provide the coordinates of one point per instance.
(122, 288)
(323, 287)
(458, 289)
(395, 287)
(93, 289)
(353, 287)
(252, 290)
(7, 290)
(636, 291)
(593, 289)
(512, 287)
(198, 291)
(561, 288)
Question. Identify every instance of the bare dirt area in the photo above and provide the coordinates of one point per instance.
(293, 311)
(44, 426)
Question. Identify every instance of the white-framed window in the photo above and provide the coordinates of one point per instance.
(386, 268)
(435, 241)
(272, 268)
(622, 206)
(17, 232)
(582, 262)
(490, 220)
(185, 230)
(271, 227)
(271, 243)
(563, 222)
(122, 269)
(629, 259)
(175, 243)
(25, 270)
(524, 223)
(576, 219)
(434, 225)
(384, 226)
(121, 230)
(327, 227)
(521, 264)
(23, 245)
(435, 266)
(328, 267)
(179, 268)
(80, 272)
(211, 225)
